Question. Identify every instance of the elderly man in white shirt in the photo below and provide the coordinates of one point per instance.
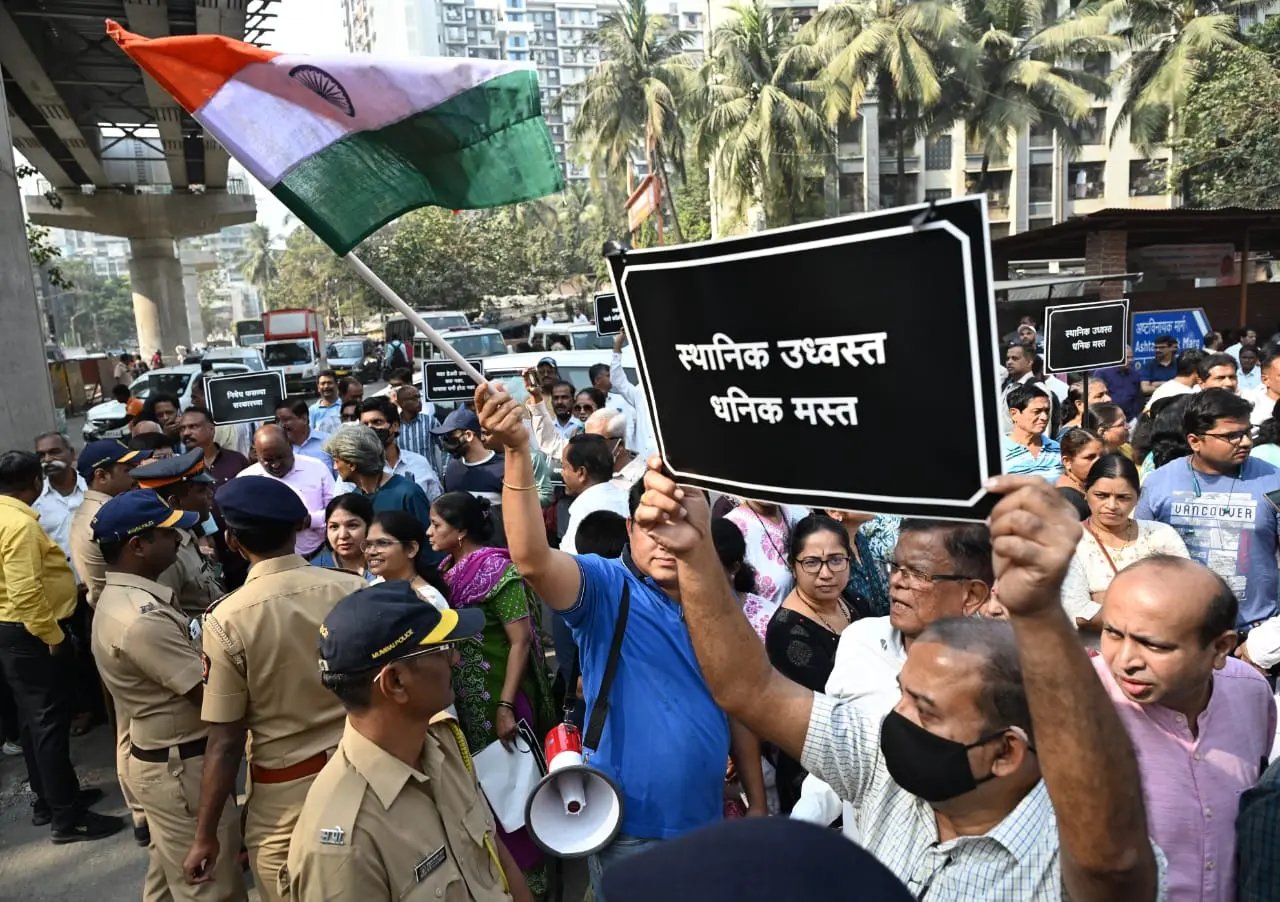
(63, 489)
(613, 426)
(305, 475)
(588, 475)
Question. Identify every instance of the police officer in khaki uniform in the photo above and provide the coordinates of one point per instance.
(397, 812)
(153, 668)
(260, 680)
(106, 467)
(184, 485)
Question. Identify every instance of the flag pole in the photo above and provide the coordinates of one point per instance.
(395, 301)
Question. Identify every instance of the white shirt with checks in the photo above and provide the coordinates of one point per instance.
(1017, 861)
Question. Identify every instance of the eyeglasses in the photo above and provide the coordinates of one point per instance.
(837, 563)
(1231, 438)
(442, 648)
(379, 544)
(919, 577)
(589, 408)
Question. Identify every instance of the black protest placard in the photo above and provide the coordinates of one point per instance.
(1085, 336)
(608, 314)
(245, 398)
(444, 380)
(846, 364)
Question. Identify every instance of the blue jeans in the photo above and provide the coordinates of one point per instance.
(623, 846)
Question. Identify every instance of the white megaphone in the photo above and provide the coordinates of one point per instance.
(575, 810)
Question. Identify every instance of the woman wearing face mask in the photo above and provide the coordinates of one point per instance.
(395, 549)
(1112, 540)
(1080, 450)
(805, 631)
(500, 680)
(346, 520)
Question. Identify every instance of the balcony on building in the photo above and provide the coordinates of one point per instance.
(453, 14)
(889, 196)
(1040, 191)
(852, 193)
(1147, 178)
(973, 153)
(849, 138)
(889, 148)
(1086, 187)
(1093, 130)
(997, 189)
(454, 34)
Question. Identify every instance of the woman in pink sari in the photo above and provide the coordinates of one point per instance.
(500, 679)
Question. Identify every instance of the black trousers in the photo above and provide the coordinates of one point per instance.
(38, 682)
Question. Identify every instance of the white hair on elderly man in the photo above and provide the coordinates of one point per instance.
(358, 445)
(607, 422)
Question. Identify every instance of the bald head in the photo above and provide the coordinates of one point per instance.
(1179, 591)
(142, 427)
(273, 449)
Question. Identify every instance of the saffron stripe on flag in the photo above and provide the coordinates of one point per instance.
(485, 147)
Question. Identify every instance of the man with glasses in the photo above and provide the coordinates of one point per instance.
(1217, 501)
(939, 569)
(259, 679)
(1162, 369)
(368, 829)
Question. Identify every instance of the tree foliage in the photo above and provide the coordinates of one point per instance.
(98, 311)
(211, 295)
(258, 264)
(1226, 152)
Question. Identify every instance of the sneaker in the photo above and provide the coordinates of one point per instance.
(11, 749)
(89, 826)
(41, 815)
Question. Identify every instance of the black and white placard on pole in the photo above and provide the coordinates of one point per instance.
(608, 315)
(1085, 336)
(443, 380)
(244, 398)
(796, 365)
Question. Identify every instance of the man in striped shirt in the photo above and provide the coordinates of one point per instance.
(415, 421)
(1027, 450)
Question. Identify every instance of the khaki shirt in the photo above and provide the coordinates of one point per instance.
(147, 660)
(192, 578)
(260, 642)
(85, 553)
(375, 828)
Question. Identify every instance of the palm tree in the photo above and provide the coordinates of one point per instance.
(630, 100)
(258, 262)
(762, 129)
(1168, 41)
(1011, 66)
(897, 47)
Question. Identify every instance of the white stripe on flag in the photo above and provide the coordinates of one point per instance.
(270, 121)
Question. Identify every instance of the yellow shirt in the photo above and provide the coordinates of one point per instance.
(37, 587)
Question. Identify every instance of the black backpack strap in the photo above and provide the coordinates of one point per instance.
(595, 725)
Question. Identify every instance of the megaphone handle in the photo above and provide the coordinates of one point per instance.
(595, 723)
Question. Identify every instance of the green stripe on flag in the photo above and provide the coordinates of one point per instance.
(486, 147)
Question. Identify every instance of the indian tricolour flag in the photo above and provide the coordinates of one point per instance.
(350, 142)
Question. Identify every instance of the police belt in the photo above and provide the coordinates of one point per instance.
(304, 768)
(193, 749)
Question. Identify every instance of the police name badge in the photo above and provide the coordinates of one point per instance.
(333, 836)
(194, 630)
(431, 863)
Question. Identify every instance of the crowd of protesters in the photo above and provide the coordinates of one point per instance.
(1074, 700)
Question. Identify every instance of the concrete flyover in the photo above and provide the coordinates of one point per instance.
(117, 156)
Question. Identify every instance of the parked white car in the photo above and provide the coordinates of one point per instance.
(111, 418)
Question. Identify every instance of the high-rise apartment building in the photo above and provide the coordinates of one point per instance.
(547, 33)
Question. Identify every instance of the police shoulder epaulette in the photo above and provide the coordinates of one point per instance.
(219, 600)
(341, 808)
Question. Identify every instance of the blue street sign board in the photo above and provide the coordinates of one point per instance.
(1188, 327)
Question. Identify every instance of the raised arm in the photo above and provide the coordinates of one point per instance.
(733, 659)
(553, 574)
(1085, 755)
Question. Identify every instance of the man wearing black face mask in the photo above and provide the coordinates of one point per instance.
(954, 791)
(474, 468)
(383, 417)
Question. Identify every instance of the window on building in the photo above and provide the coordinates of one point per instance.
(937, 193)
(471, 15)
(519, 56)
(486, 17)
(1094, 128)
(850, 132)
(566, 17)
(1098, 64)
(852, 192)
(1085, 181)
(517, 40)
(889, 195)
(1040, 183)
(937, 152)
(1147, 177)
(1041, 135)
(486, 36)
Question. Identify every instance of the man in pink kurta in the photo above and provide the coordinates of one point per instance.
(1201, 721)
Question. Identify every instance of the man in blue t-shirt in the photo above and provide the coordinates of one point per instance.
(1159, 371)
(1216, 500)
(665, 741)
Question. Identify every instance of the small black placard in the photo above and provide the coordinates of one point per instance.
(1085, 336)
(244, 398)
(785, 366)
(608, 314)
(443, 380)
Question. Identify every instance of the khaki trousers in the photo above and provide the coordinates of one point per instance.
(170, 795)
(271, 812)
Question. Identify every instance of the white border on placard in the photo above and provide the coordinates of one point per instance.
(477, 362)
(595, 300)
(1091, 305)
(975, 355)
(209, 380)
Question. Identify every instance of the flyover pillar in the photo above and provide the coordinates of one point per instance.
(28, 405)
(159, 307)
